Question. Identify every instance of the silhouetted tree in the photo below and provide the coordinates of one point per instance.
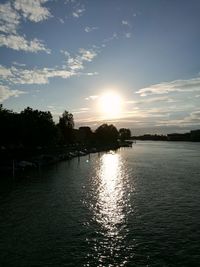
(85, 135)
(106, 134)
(124, 134)
(8, 126)
(37, 127)
(30, 128)
(65, 127)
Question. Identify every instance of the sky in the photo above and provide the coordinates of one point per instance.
(61, 55)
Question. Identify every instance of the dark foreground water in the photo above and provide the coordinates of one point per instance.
(135, 207)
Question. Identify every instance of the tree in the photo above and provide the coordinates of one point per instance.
(37, 127)
(124, 134)
(8, 126)
(65, 127)
(29, 128)
(85, 135)
(106, 134)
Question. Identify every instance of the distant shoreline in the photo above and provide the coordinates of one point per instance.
(192, 136)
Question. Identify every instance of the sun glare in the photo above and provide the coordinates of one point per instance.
(110, 104)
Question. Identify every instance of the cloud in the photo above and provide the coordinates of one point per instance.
(90, 73)
(78, 12)
(192, 119)
(36, 76)
(80, 110)
(18, 74)
(61, 20)
(165, 99)
(124, 22)
(109, 39)
(18, 43)
(92, 97)
(190, 85)
(76, 6)
(18, 64)
(9, 19)
(128, 26)
(77, 62)
(32, 9)
(87, 55)
(90, 29)
(128, 34)
(11, 15)
(4, 72)
(23, 76)
(6, 92)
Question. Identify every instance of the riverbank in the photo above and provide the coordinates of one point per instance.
(19, 160)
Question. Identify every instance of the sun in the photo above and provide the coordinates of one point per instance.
(110, 105)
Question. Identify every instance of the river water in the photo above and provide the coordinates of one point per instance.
(137, 206)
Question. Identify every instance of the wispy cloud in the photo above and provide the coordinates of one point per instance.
(6, 92)
(5, 72)
(90, 29)
(78, 12)
(109, 39)
(192, 119)
(128, 34)
(189, 85)
(81, 110)
(9, 19)
(77, 7)
(126, 23)
(128, 27)
(18, 64)
(151, 100)
(19, 75)
(35, 76)
(11, 14)
(87, 55)
(61, 20)
(76, 62)
(17, 42)
(32, 9)
(91, 97)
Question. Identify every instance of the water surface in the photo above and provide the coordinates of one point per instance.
(132, 207)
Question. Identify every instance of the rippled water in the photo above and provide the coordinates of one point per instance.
(133, 207)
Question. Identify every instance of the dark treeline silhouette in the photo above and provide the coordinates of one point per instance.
(151, 137)
(124, 134)
(193, 136)
(32, 131)
(29, 129)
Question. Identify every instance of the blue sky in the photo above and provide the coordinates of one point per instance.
(63, 54)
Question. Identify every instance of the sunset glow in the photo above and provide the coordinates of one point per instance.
(110, 105)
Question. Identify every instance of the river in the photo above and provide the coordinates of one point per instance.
(136, 206)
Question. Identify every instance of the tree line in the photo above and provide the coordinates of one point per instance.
(34, 128)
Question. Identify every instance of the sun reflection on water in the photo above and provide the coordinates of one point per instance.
(110, 194)
(110, 207)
